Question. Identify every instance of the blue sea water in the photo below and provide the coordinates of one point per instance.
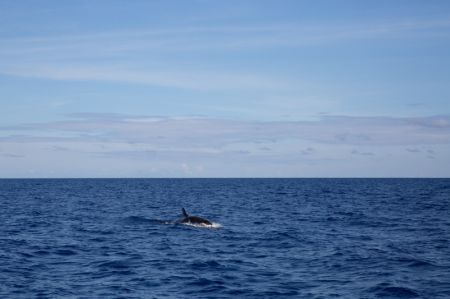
(277, 238)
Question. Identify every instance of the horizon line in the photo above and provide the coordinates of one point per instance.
(205, 178)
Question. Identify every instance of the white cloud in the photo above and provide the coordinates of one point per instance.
(222, 38)
(118, 145)
(184, 79)
(119, 56)
(201, 132)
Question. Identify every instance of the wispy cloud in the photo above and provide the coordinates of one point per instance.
(89, 56)
(10, 155)
(413, 150)
(359, 153)
(201, 132)
(308, 151)
(225, 38)
(193, 79)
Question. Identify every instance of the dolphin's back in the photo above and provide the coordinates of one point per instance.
(193, 219)
(198, 220)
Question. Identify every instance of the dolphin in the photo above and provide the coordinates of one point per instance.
(193, 219)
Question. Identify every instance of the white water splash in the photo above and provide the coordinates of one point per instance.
(202, 225)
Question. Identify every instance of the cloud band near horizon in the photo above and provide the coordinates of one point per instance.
(206, 142)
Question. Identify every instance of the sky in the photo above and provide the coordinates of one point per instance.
(209, 88)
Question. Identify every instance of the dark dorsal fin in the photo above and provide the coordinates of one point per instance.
(184, 212)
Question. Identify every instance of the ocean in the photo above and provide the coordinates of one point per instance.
(271, 238)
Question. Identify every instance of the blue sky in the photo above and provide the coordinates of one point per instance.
(224, 88)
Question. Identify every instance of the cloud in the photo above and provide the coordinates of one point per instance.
(308, 151)
(152, 57)
(9, 155)
(194, 132)
(219, 38)
(175, 78)
(427, 152)
(356, 152)
(58, 148)
(413, 150)
(433, 122)
(111, 116)
(122, 145)
(190, 169)
(352, 138)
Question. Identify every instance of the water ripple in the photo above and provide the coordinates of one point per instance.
(284, 238)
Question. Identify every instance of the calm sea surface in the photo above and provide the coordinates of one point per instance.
(275, 238)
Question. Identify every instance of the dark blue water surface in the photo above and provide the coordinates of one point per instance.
(279, 238)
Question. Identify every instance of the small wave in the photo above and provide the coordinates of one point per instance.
(400, 292)
(96, 231)
(119, 264)
(204, 265)
(385, 290)
(41, 252)
(65, 252)
(203, 282)
(416, 263)
(143, 220)
(419, 264)
(136, 219)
